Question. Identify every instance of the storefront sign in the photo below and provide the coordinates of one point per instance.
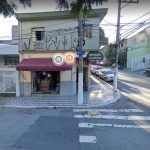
(95, 56)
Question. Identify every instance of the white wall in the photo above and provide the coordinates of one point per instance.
(55, 25)
(137, 63)
(9, 49)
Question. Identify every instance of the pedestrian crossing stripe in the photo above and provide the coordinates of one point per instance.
(138, 96)
(90, 125)
(87, 139)
(108, 110)
(114, 117)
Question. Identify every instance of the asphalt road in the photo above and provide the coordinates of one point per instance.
(124, 125)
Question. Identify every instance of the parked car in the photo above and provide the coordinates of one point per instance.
(98, 71)
(94, 69)
(147, 71)
(120, 67)
(106, 74)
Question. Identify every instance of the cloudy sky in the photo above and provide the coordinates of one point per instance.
(128, 13)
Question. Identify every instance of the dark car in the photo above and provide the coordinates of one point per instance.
(147, 71)
(120, 67)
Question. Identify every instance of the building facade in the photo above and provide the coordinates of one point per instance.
(9, 58)
(138, 54)
(41, 37)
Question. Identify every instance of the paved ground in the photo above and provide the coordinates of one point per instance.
(100, 94)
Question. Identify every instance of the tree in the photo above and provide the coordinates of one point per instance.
(101, 33)
(78, 6)
(7, 9)
(110, 53)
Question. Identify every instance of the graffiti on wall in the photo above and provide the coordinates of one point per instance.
(68, 42)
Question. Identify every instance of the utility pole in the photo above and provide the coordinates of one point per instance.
(80, 67)
(118, 42)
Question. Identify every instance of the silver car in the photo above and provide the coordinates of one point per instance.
(106, 74)
(94, 69)
(98, 71)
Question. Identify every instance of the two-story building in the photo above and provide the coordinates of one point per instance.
(9, 58)
(138, 54)
(43, 35)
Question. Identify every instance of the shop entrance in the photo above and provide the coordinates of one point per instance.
(46, 82)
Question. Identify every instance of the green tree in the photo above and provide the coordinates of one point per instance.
(7, 9)
(78, 6)
(109, 53)
(101, 33)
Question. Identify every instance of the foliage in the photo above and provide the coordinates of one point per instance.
(78, 6)
(109, 53)
(7, 9)
(122, 58)
(101, 33)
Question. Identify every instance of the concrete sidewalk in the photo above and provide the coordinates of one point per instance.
(100, 94)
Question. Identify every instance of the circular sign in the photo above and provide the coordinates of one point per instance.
(69, 58)
(94, 56)
(58, 59)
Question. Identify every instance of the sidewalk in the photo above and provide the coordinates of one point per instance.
(98, 95)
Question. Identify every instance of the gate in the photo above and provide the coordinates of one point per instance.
(7, 82)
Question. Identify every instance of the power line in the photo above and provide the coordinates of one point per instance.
(45, 26)
(102, 18)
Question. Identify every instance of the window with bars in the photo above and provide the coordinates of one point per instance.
(11, 60)
(37, 34)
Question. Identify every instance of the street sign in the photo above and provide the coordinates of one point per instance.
(95, 56)
(80, 52)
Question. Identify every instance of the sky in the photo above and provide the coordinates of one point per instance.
(128, 14)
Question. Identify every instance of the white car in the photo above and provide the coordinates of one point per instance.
(106, 74)
(95, 68)
(98, 71)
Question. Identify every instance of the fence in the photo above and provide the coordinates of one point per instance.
(7, 82)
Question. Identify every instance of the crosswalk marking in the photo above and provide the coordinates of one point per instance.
(87, 139)
(108, 110)
(90, 125)
(138, 96)
(114, 117)
(148, 95)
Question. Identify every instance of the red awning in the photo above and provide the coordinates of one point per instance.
(41, 64)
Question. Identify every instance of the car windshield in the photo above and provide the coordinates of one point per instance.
(109, 72)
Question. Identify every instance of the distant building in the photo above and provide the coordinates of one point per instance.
(138, 50)
(14, 35)
(103, 42)
(9, 58)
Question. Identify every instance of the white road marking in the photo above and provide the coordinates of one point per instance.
(141, 98)
(148, 95)
(87, 139)
(90, 125)
(138, 96)
(108, 110)
(147, 90)
(114, 117)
